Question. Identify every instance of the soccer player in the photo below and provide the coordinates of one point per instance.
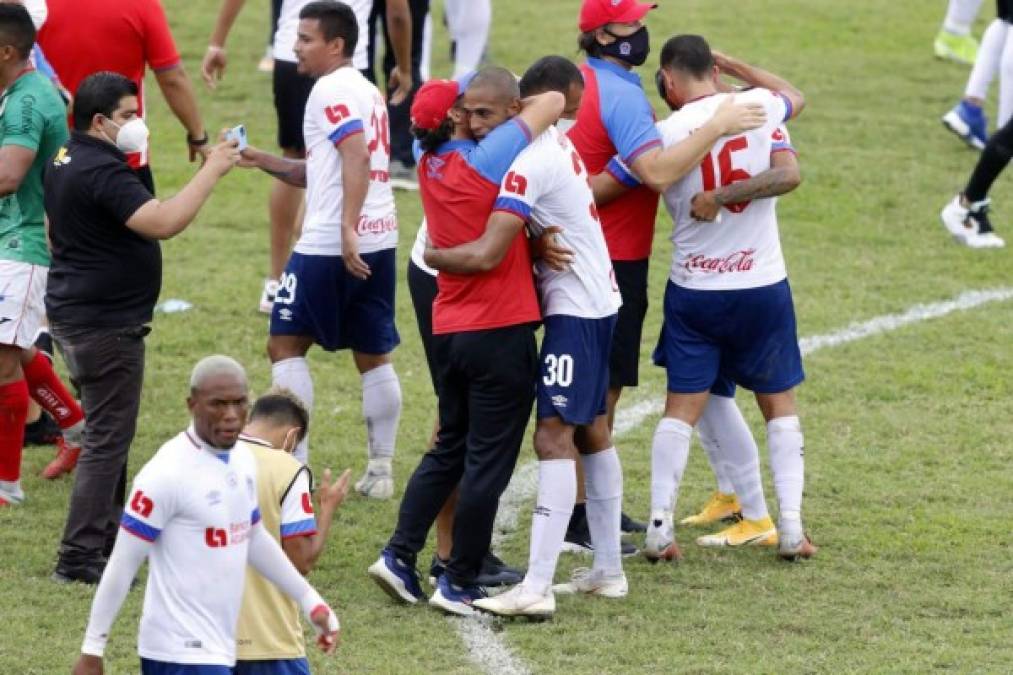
(338, 287)
(966, 215)
(967, 120)
(194, 515)
(615, 117)
(269, 636)
(483, 341)
(728, 309)
(547, 186)
(954, 40)
(292, 88)
(468, 22)
(32, 128)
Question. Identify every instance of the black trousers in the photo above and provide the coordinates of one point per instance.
(399, 115)
(486, 386)
(107, 367)
(422, 287)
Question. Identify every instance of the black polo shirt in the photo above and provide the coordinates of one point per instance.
(103, 274)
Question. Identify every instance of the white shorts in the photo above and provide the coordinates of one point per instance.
(22, 302)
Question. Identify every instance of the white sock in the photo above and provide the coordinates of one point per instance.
(557, 491)
(603, 483)
(381, 406)
(468, 21)
(960, 15)
(294, 375)
(669, 453)
(1005, 82)
(986, 65)
(735, 452)
(709, 431)
(784, 438)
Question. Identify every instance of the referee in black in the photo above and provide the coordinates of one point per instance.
(104, 228)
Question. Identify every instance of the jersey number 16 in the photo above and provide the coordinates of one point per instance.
(728, 173)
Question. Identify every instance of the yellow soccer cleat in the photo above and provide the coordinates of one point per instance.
(720, 506)
(743, 533)
(959, 48)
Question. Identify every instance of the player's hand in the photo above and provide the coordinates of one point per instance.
(734, 118)
(355, 265)
(202, 151)
(723, 62)
(212, 68)
(325, 623)
(704, 206)
(331, 496)
(248, 158)
(88, 665)
(222, 157)
(400, 83)
(550, 251)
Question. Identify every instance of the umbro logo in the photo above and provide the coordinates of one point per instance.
(285, 314)
(560, 401)
(4, 319)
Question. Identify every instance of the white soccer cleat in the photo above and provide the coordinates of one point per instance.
(969, 224)
(793, 543)
(659, 543)
(378, 481)
(519, 601)
(267, 295)
(594, 582)
(11, 493)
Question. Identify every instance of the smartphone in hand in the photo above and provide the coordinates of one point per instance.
(237, 133)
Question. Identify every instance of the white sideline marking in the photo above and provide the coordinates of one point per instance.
(485, 648)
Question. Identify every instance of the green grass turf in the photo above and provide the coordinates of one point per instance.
(907, 434)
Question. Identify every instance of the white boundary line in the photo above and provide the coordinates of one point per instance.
(485, 647)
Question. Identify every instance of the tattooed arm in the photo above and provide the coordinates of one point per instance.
(782, 177)
(291, 171)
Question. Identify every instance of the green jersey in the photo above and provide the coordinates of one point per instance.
(33, 116)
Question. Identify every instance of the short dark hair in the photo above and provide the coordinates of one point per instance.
(550, 73)
(588, 43)
(100, 94)
(16, 28)
(280, 406)
(498, 79)
(337, 20)
(689, 54)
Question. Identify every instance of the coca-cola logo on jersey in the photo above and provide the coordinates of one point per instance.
(739, 261)
(376, 226)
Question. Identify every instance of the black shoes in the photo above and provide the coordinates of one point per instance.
(578, 538)
(630, 526)
(494, 572)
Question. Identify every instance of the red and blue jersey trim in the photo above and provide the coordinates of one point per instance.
(514, 206)
(255, 516)
(301, 528)
(349, 128)
(620, 173)
(641, 150)
(139, 529)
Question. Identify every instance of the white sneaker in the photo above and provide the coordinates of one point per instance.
(267, 295)
(11, 493)
(659, 543)
(520, 601)
(594, 582)
(969, 224)
(792, 540)
(378, 481)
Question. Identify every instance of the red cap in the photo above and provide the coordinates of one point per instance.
(432, 103)
(597, 13)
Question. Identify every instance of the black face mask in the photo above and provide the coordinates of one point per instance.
(633, 49)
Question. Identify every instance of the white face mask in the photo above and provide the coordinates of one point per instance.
(564, 125)
(133, 136)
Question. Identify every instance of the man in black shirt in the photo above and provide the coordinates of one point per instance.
(104, 228)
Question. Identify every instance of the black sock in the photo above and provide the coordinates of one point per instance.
(994, 158)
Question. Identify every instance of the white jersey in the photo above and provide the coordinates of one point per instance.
(419, 249)
(341, 105)
(283, 46)
(547, 185)
(742, 249)
(198, 510)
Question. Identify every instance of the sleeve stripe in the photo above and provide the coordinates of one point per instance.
(524, 127)
(301, 528)
(787, 107)
(344, 131)
(784, 148)
(515, 206)
(255, 516)
(620, 173)
(138, 528)
(655, 143)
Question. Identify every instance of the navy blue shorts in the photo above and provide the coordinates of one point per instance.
(152, 667)
(747, 336)
(273, 667)
(318, 298)
(574, 368)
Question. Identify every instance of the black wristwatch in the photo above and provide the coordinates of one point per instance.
(197, 142)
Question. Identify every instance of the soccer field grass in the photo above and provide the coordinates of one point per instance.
(907, 432)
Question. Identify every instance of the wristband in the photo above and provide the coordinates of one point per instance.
(215, 49)
(197, 142)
